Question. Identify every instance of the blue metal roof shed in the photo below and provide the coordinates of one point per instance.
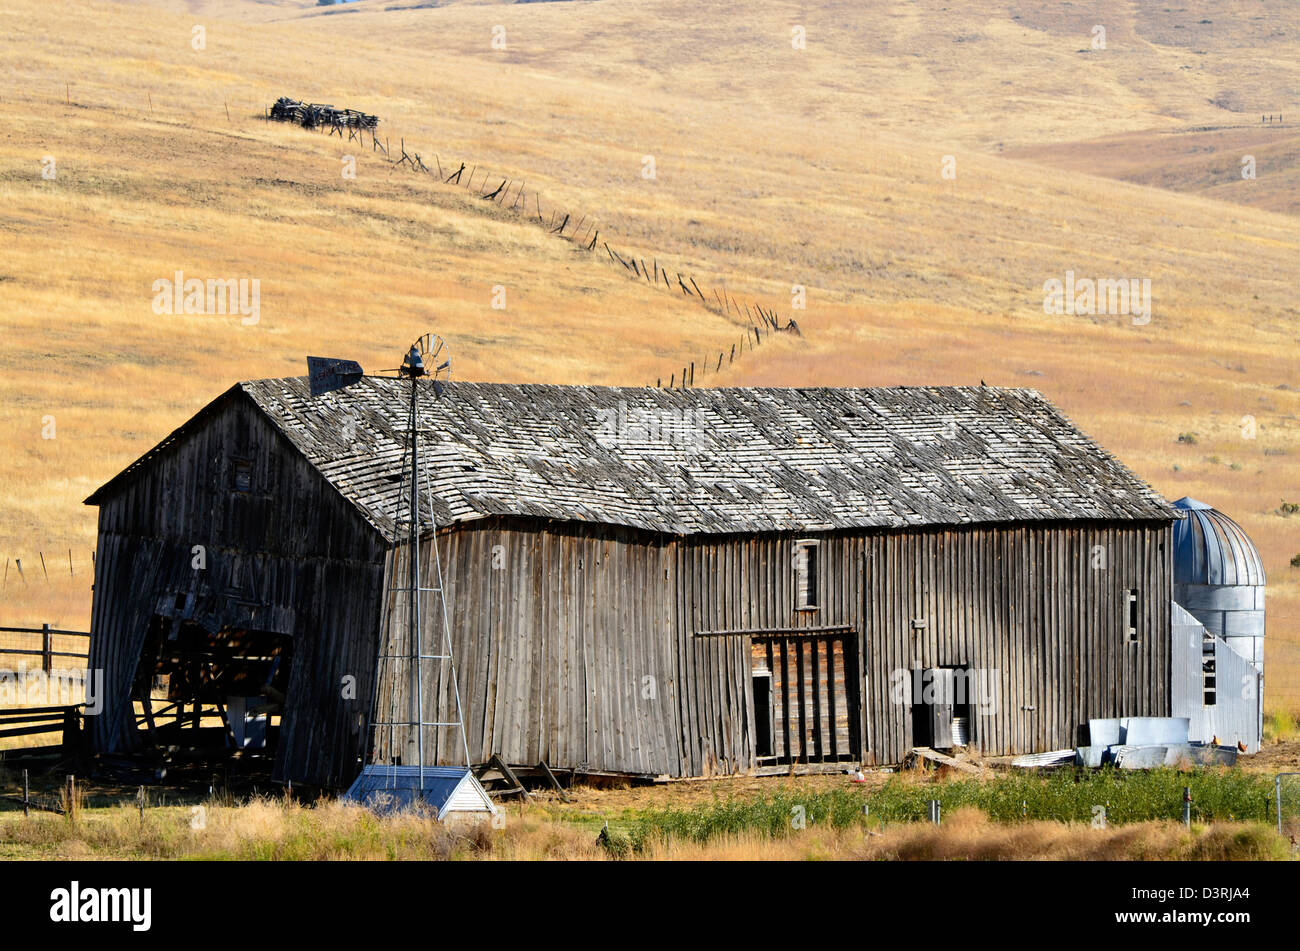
(446, 789)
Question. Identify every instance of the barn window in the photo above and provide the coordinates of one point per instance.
(806, 574)
(1132, 615)
(241, 475)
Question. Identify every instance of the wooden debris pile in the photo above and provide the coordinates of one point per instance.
(312, 115)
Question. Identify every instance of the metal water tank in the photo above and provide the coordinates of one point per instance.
(1219, 577)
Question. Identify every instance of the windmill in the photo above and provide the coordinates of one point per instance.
(399, 773)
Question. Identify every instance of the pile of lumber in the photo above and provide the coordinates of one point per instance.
(311, 115)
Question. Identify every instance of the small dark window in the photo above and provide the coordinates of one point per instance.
(1209, 683)
(241, 475)
(806, 574)
(1132, 615)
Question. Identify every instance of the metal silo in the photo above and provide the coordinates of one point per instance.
(1219, 578)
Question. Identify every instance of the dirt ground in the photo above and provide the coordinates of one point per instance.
(1274, 758)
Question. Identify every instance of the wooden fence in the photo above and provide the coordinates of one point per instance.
(42, 721)
(44, 642)
(54, 647)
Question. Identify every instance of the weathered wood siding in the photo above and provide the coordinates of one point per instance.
(556, 629)
(564, 645)
(1044, 606)
(289, 556)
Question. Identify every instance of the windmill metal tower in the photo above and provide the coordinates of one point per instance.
(399, 772)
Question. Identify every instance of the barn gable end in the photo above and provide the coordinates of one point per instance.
(225, 527)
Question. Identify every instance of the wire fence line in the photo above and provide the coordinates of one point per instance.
(584, 232)
(503, 190)
(351, 125)
(46, 568)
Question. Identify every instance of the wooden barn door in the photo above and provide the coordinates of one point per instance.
(805, 698)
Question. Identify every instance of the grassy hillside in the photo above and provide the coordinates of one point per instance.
(774, 166)
(1253, 164)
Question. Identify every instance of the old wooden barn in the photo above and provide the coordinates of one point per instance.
(642, 581)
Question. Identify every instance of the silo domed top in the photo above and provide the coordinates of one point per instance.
(1210, 548)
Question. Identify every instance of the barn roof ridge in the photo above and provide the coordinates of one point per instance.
(710, 460)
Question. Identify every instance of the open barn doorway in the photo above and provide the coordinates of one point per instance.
(806, 706)
(943, 699)
(211, 692)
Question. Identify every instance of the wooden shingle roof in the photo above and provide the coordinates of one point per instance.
(712, 460)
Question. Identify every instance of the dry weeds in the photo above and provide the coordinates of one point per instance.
(278, 830)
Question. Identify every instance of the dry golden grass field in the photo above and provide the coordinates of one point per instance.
(774, 166)
(270, 830)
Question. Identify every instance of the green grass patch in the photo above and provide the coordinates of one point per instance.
(1218, 794)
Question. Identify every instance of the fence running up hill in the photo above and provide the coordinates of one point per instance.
(760, 321)
(16, 574)
(514, 195)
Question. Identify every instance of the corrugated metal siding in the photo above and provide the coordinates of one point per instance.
(1237, 714)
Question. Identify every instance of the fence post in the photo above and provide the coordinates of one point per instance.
(1187, 806)
(27, 796)
(1277, 797)
(71, 732)
(47, 649)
